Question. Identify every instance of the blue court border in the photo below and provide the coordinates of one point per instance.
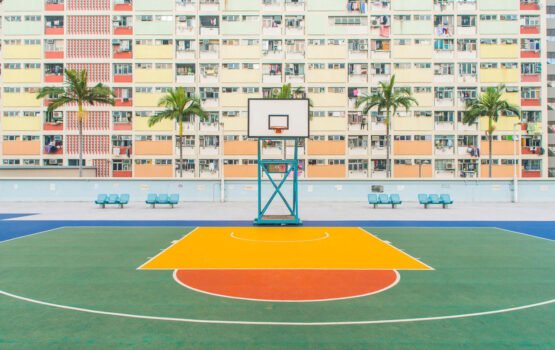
(11, 229)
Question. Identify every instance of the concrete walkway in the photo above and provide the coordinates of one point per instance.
(309, 211)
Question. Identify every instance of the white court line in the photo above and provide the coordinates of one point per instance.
(325, 236)
(397, 249)
(270, 323)
(397, 279)
(164, 250)
(524, 234)
(32, 234)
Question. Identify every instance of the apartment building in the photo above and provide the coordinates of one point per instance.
(227, 51)
(551, 84)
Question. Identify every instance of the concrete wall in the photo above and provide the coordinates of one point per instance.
(246, 190)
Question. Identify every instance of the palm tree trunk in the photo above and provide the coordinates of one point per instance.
(490, 139)
(180, 146)
(80, 121)
(388, 147)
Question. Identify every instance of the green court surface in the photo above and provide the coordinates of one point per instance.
(79, 288)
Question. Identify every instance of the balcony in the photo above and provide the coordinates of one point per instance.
(123, 78)
(122, 173)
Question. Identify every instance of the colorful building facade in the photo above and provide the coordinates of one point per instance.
(227, 51)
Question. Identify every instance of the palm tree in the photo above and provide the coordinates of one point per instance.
(287, 92)
(387, 99)
(178, 106)
(490, 104)
(76, 90)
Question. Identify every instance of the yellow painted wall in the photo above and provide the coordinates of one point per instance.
(326, 76)
(21, 76)
(415, 75)
(499, 75)
(240, 52)
(21, 100)
(503, 124)
(326, 51)
(328, 124)
(499, 51)
(412, 51)
(236, 99)
(142, 99)
(21, 124)
(235, 123)
(329, 99)
(22, 51)
(141, 124)
(153, 51)
(153, 76)
(413, 123)
(424, 99)
(240, 76)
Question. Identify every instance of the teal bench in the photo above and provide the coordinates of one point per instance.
(383, 199)
(433, 199)
(113, 199)
(171, 200)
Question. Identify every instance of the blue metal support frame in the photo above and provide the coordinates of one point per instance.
(292, 167)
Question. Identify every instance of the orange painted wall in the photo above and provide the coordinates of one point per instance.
(410, 148)
(153, 170)
(21, 148)
(500, 148)
(327, 171)
(240, 148)
(240, 170)
(147, 148)
(324, 148)
(497, 171)
(412, 171)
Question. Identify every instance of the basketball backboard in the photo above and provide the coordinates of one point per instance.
(278, 118)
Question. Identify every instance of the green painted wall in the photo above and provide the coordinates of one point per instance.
(499, 27)
(153, 5)
(23, 5)
(241, 5)
(513, 5)
(317, 24)
(147, 28)
(412, 5)
(326, 5)
(22, 28)
(412, 27)
(240, 28)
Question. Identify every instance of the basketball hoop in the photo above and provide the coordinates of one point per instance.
(278, 129)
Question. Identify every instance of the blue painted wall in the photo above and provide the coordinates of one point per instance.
(310, 190)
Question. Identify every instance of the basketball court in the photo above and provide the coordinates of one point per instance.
(276, 281)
